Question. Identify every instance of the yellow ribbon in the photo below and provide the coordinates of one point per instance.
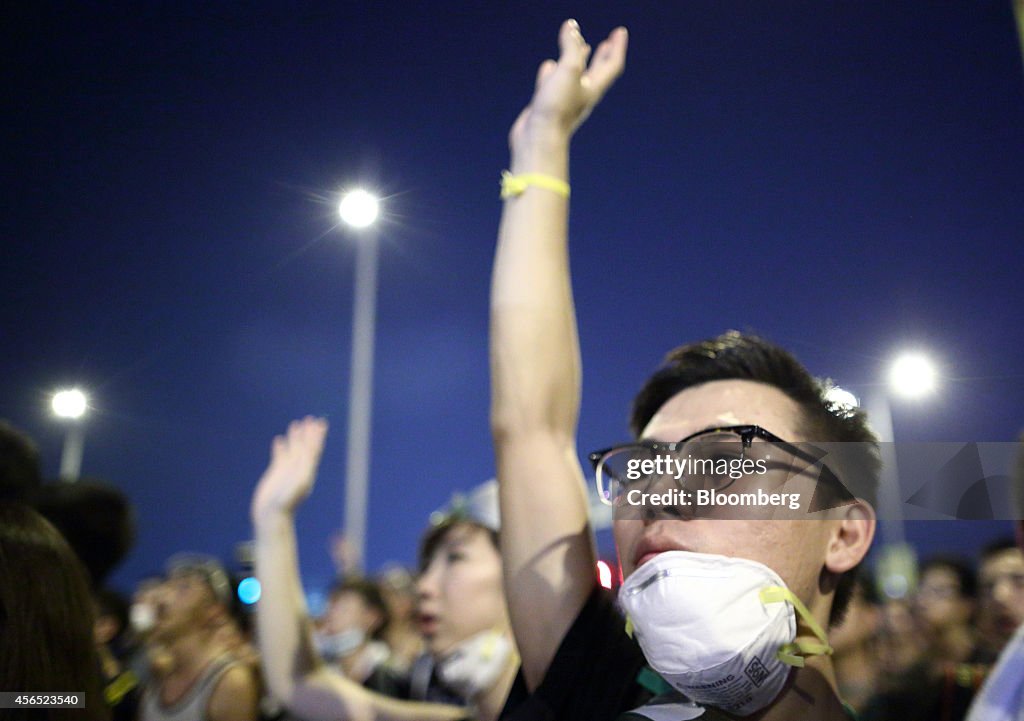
(513, 185)
(792, 654)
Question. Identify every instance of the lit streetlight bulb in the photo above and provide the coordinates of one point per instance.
(913, 375)
(359, 209)
(70, 404)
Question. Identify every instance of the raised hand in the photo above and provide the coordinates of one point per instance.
(567, 90)
(294, 458)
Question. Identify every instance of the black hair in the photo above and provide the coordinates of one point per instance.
(737, 356)
(369, 591)
(46, 616)
(1000, 545)
(95, 517)
(20, 474)
(865, 583)
(960, 567)
(435, 535)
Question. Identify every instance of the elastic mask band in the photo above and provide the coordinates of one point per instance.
(792, 654)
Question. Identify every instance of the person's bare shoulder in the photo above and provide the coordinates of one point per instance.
(236, 697)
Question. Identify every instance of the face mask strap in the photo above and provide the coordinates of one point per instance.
(490, 644)
(792, 654)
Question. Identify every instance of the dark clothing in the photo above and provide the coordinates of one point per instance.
(388, 682)
(599, 673)
(928, 694)
(593, 676)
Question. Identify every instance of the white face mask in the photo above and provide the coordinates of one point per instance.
(142, 617)
(475, 663)
(333, 646)
(718, 629)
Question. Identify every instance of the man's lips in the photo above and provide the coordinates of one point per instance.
(648, 548)
(647, 557)
(427, 623)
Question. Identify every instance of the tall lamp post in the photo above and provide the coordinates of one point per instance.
(911, 376)
(359, 210)
(70, 406)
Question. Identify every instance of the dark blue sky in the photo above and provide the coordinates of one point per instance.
(844, 178)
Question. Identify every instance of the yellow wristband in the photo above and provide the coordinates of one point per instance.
(513, 185)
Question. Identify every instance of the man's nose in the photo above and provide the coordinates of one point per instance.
(426, 585)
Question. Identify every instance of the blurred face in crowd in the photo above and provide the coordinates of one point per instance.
(185, 602)
(796, 550)
(940, 602)
(348, 610)
(460, 590)
(400, 595)
(900, 640)
(1001, 588)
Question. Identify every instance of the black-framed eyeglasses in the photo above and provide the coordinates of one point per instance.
(713, 458)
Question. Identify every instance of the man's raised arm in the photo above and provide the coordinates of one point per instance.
(546, 542)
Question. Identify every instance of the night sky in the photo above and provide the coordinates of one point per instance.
(844, 178)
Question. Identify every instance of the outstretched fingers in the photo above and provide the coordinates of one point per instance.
(543, 72)
(608, 63)
(573, 48)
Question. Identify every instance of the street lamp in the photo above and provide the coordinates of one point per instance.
(911, 376)
(70, 406)
(358, 210)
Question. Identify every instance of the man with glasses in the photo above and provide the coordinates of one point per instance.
(729, 603)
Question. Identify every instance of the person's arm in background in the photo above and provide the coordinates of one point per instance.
(294, 672)
(546, 542)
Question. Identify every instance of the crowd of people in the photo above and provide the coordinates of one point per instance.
(504, 616)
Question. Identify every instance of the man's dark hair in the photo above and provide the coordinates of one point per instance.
(960, 567)
(46, 615)
(865, 583)
(1000, 545)
(20, 475)
(95, 517)
(369, 591)
(737, 356)
(437, 532)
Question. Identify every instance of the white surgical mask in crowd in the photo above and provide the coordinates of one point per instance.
(333, 646)
(720, 630)
(142, 617)
(475, 664)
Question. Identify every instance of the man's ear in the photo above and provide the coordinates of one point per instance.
(850, 537)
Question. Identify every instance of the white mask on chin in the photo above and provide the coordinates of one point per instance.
(333, 646)
(475, 664)
(720, 630)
